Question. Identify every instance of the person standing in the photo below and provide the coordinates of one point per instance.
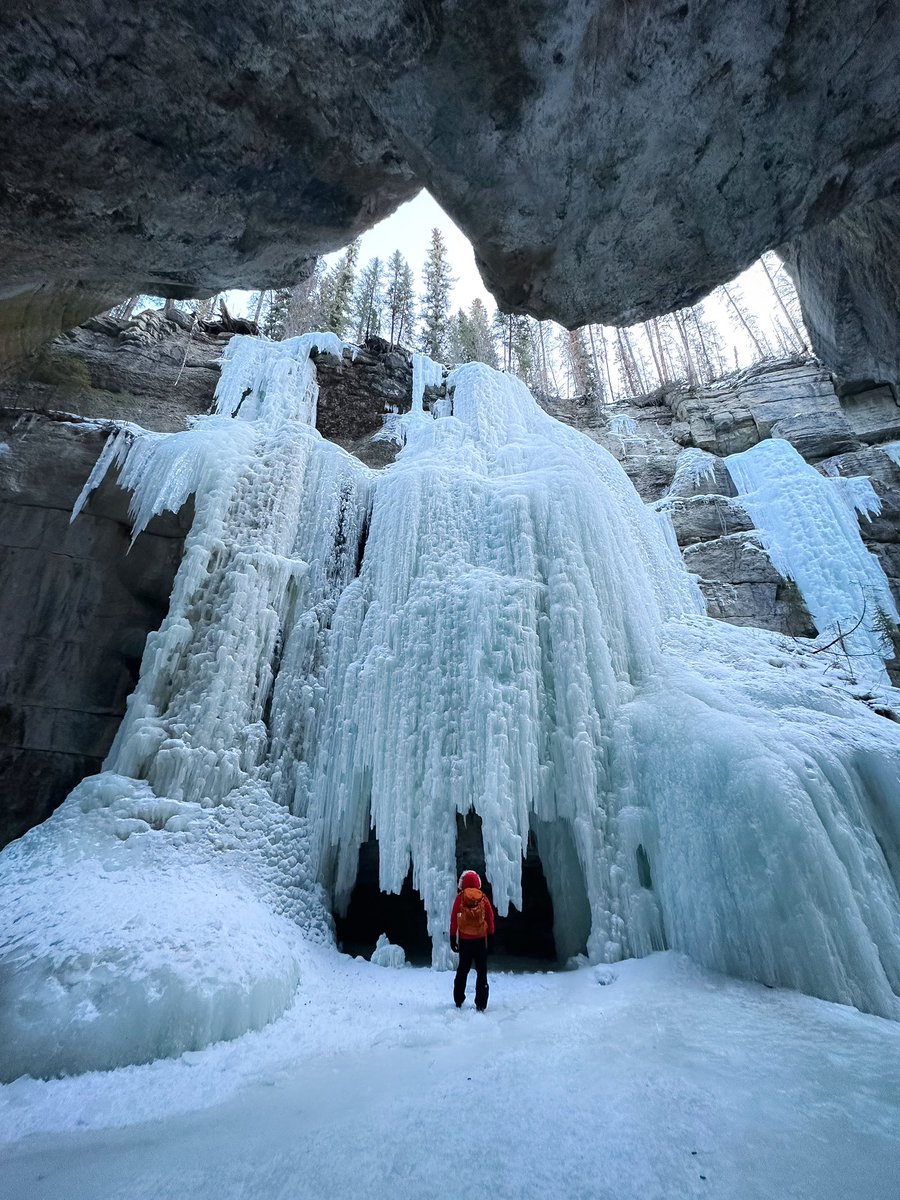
(471, 924)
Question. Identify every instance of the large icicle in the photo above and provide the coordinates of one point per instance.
(808, 525)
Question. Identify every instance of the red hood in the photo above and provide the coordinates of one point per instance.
(469, 880)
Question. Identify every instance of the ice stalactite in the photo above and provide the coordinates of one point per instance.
(495, 622)
(808, 525)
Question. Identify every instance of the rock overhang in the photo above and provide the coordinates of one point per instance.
(609, 162)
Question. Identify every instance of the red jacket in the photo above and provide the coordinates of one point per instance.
(454, 916)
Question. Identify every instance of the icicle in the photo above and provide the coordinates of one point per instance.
(623, 426)
(426, 373)
(692, 468)
(809, 528)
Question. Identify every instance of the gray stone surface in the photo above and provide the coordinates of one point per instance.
(794, 400)
(847, 274)
(144, 370)
(609, 161)
(75, 610)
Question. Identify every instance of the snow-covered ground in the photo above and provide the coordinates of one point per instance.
(649, 1079)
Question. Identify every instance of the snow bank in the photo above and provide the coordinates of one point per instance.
(138, 927)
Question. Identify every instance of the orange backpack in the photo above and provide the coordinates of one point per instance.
(471, 921)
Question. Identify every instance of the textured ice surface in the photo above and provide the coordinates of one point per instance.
(623, 426)
(426, 373)
(809, 527)
(387, 955)
(139, 926)
(692, 467)
(495, 622)
(892, 450)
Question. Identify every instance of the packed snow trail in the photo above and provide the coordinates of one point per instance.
(652, 1080)
(496, 622)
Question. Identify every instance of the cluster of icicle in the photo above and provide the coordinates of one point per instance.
(497, 624)
(808, 524)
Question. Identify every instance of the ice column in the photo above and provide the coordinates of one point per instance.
(808, 525)
(279, 514)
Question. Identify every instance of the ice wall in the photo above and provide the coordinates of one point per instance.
(808, 525)
(494, 622)
(161, 907)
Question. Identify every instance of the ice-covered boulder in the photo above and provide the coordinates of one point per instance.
(136, 927)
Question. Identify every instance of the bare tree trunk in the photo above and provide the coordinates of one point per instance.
(688, 356)
(259, 307)
(638, 373)
(801, 341)
(128, 308)
(759, 349)
(649, 327)
(710, 369)
(548, 361)
(609, 380)
(598, 374)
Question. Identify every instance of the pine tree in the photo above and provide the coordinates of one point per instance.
(437, 283)
(275, 316)
(399, 299)
(368, 301)
(337, 292)
(484, 348)
(461, 343)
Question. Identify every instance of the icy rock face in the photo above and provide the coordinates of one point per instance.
(214, 869)
(809, 527)
(498, 623)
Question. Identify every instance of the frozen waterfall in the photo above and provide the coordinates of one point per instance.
(494, 623)
(809, 527)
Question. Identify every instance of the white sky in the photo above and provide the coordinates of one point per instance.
(409, 231)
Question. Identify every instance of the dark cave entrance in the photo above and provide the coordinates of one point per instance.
(372, 912)
(524, 939)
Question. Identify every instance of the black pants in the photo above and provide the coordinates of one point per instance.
(472, 952)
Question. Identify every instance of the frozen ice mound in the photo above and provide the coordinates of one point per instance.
(139, 927)
(386, 954)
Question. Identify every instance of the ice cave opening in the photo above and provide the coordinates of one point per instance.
(526, 936)
(371, 912)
